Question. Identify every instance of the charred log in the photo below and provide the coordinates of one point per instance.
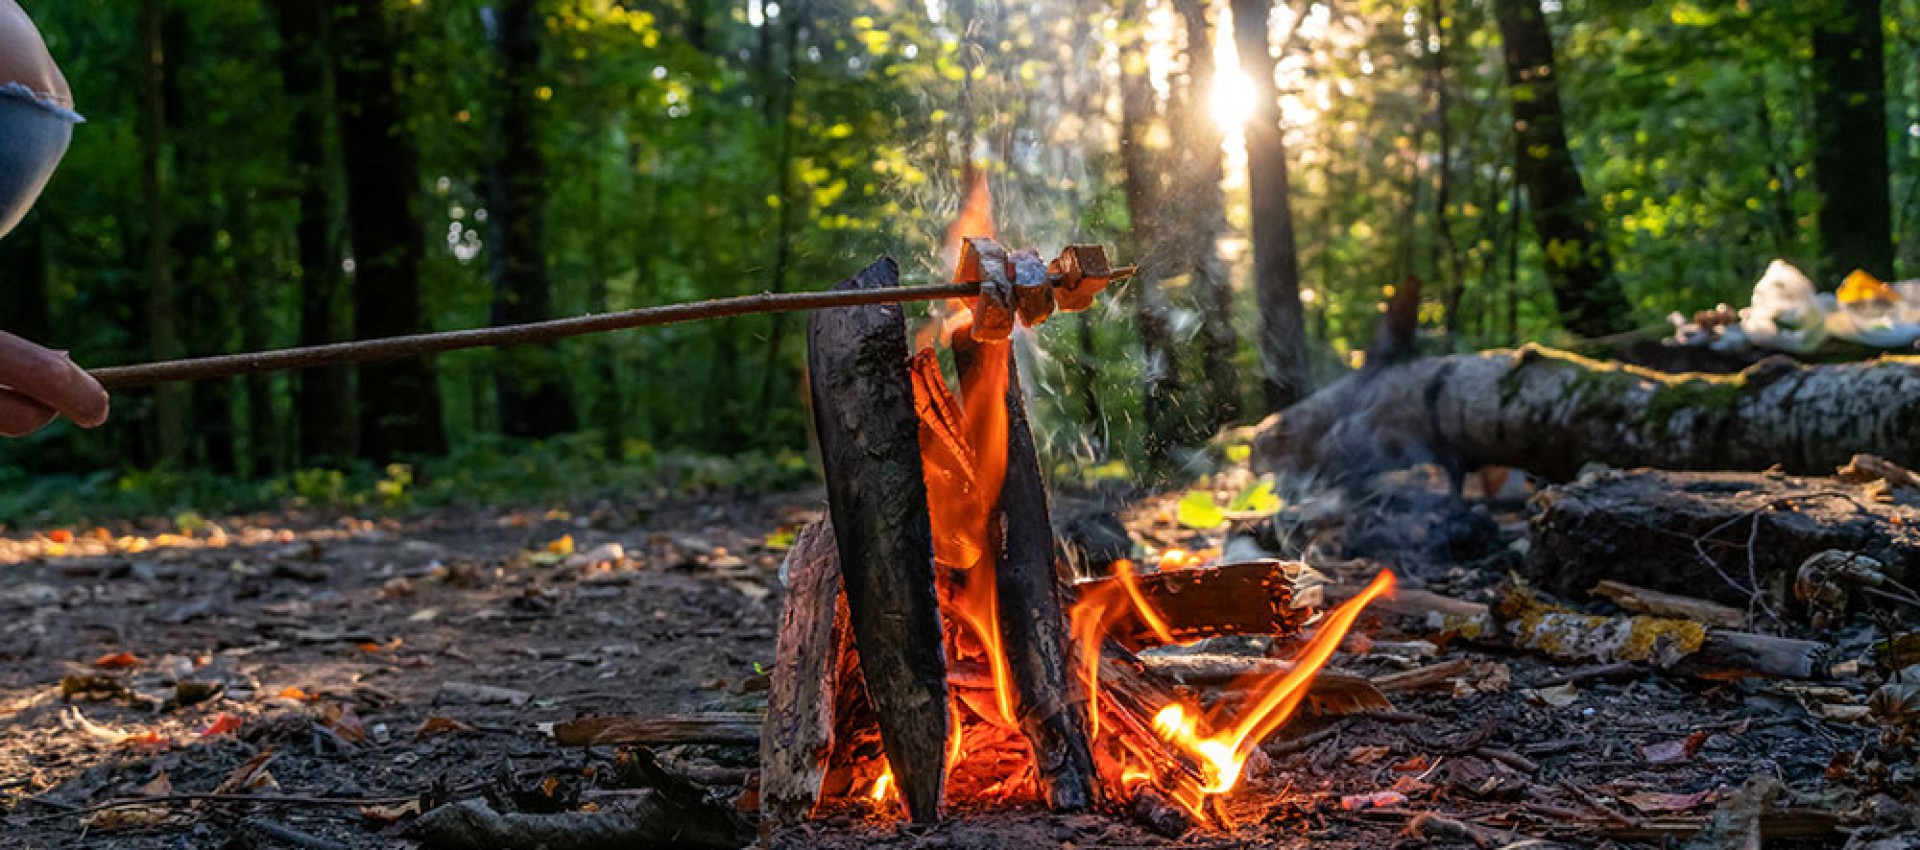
(863, 410)
(1551, 412)
(1033, 622)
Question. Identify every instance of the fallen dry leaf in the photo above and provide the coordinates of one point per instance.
(1367, 754)
(160, 786)
(341, 718)
(390, 814)
(1658, 803)
(1670, 752)
(438, 725)
(248, 777)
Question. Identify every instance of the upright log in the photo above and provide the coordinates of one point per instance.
(869, 446)
(1033, 626)
(797, 736)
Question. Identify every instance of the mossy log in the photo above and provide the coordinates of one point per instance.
(1551, 412)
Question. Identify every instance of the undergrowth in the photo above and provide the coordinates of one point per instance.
(490, 471)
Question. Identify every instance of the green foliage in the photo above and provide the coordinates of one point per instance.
(699, 150)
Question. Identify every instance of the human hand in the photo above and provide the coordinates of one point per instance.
(37, 384)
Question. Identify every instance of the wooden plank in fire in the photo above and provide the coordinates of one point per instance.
(1251, 598)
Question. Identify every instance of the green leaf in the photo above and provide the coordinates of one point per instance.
(1198, 510)
(1258, 498)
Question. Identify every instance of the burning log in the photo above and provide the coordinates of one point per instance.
(863, 409)
(1050, 703)
(1250, 598)
(1551, 412)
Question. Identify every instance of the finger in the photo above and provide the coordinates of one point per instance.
(20, 416)
(53, 379)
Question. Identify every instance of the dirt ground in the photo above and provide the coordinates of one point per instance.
(382, 661)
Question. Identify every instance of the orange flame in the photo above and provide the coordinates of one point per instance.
(881, 786)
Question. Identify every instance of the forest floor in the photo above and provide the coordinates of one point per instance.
(386, 660)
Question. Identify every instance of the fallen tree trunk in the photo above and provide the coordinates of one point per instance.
(1551, 412)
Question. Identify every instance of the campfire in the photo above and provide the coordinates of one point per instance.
(933, 655)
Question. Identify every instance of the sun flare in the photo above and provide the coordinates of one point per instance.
(1233, 99)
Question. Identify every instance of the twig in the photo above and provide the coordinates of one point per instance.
(1752, 590)
(1591, 803)
(169, 799)
(1588, 674)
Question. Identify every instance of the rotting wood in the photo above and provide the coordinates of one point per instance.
(1250, 598)
(863, 410)
(1725, 536)
(1049, 702)
(719, 728)
(797, 736)
(1551, 412)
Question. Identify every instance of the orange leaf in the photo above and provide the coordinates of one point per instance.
(60, 535)
(147, 739)
(116, 661)
(293, 692)
(437, 725)
(223, 724)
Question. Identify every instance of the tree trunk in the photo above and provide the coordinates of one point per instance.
(1850, 159)
(1579, 267)
(400, 400)
(529, 381)
(1550, 412)
(163, 327)
(1276, 257)
(1149, 230)
(1205, 218)
(786, 216)
(324, 404)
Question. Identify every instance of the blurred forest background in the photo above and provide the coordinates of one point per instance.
(266, 173)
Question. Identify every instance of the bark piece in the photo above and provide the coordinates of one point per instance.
(1050, 704)
(720, 728)
(863, 411)
(1251, 598)
(1550, 412)
(797, 737)
(1641, 527)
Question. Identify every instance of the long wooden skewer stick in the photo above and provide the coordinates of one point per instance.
(391, 348)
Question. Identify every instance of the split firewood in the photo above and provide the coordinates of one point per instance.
(863, 411)
(1551, 412)
(1640, 600)
(1251, 598)
(797, 737)
(721, 728)
(1431, 611)
(1729, 537)
(1049, 702)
